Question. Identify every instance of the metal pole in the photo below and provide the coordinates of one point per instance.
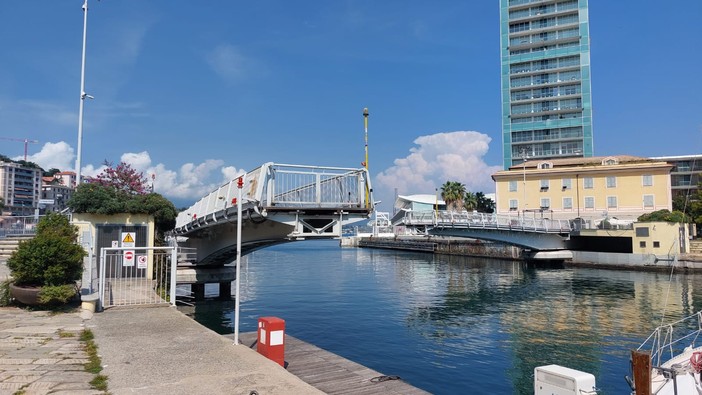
(524, 179)
(240, 184)
(365, 163)
(174, 274)
(82, 94)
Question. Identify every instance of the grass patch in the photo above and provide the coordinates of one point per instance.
(94, 364)
(63, 334)
(99, 382)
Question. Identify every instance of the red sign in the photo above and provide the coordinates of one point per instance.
(128, 258)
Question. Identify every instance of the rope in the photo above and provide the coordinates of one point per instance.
(696, 361)
(380, 379)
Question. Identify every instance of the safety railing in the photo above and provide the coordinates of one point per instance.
(465, 219)
(286, 186)
(18, 225)
(671, 339)
(137, 276)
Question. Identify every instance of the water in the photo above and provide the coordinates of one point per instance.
(451, 324)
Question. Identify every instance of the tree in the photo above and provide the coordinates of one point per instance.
(453, 192)
(663, 216)
(485, 204)
(470, 201)
(123, 178)
(51, 260)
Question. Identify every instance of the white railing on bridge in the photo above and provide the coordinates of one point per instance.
(287, 186)
(465, 219)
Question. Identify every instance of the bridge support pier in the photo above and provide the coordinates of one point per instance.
(198, 291)
(225, 289)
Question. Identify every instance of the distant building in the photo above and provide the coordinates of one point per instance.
(622, 187)
(546, 99)
(66, 178)
(54, 197)
(20, 188)
(686, 174)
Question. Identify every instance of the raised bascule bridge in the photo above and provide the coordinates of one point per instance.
(279, 203)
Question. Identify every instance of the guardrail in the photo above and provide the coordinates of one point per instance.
(18, 225)
(281, 186)
(464, 219)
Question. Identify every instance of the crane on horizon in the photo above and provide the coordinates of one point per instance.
(26, 142)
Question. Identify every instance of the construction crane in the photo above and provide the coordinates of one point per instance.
(26, 142)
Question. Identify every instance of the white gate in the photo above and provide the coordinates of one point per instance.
(137, 276)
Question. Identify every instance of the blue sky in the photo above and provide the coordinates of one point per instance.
(197, 91)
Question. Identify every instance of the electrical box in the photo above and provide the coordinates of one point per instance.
(559, 380)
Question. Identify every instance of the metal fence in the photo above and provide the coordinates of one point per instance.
(18, 226)
(137, 276)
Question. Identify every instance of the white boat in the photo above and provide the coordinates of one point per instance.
(669, 362)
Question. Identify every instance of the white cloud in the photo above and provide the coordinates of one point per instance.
(229, 63)
(191, 181)
(453, 156)
(53, 156)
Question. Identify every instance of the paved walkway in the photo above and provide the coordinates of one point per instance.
(160, 350)
(41, 353)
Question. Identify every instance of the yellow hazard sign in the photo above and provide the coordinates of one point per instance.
(128, 239)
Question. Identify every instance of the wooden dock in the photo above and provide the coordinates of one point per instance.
(331, 373)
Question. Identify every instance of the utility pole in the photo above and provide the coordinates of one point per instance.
(83, 95)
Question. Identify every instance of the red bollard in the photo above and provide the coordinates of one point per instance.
(271, 339)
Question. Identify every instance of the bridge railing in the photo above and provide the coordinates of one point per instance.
(319, 187)
(286, 186)
(465, 219)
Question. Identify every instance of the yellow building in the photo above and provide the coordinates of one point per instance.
(622, 187)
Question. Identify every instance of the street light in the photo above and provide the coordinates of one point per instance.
(523, 153)
(83, 95)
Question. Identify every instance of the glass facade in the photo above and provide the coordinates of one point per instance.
(546, 99)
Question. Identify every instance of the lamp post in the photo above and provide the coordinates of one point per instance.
(523, 152)
(83, 95)
(239, 185)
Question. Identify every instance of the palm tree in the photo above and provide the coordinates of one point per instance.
(470, 201)
(452, 192)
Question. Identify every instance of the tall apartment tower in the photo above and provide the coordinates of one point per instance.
(546, 99)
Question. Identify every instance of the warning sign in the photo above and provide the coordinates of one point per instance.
(141, 262)
(128, 239)
(128, 259)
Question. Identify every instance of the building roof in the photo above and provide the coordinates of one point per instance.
(571, 162)
(420, 198)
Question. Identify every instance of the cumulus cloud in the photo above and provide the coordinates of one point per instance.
(189, 182)
(437, 158)
(229, 63)
(53, 156)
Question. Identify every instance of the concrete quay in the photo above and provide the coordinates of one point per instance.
(41, 353)
(159, 350)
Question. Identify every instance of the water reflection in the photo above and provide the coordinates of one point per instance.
(455, 324)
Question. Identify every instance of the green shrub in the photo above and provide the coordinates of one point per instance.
(51, 258)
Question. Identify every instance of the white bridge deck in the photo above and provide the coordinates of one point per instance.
(464, 219)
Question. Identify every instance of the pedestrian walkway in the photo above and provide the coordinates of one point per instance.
(159, 350)
(41, 353)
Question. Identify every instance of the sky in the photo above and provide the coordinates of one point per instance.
(198, 92)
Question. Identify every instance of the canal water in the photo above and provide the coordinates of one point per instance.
(455, 325)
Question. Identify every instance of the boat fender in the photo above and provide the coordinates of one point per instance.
(696, 361)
